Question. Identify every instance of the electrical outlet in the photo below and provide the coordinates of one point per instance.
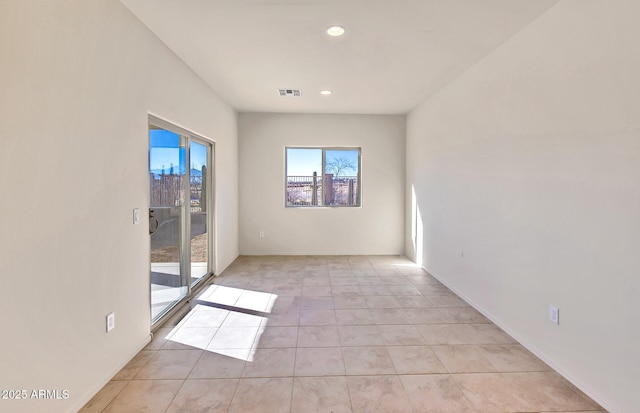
(261, 234)
(111, 321)
(554, 314)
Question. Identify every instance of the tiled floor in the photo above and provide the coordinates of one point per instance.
(334, 334)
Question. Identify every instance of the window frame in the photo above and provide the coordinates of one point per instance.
(321, 176)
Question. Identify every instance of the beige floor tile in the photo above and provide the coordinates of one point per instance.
(319, 279)
(452, 334)
(400, 335)
(462, 315)
(271, 395)
(421, 279)
(435, 334)
(345, 291)
(238, 319)
(258, 285)
(271, 362)
(353, 317)
(145, 396)
(346, 279)
(382, 301)
(424, 315)
(159, 338)
(318, 336)
(396, 280)
(317, 303)
(512, 357)
(234, 337)
(204, 396)
(320, 395)
(132, 368)
(548, 391)
(446, 300)
(410, 301)
(277, 337)
(220, 294)
(189, 338)
(369, 280)
(362, 270)
(237, 353)
(489, 334)
(378, 394)
(431, 288)
(359, 336)
(316, 291)
(341, 334)
(367, 360)
(375, 290)
(203, 316)
(169, 364)
(436, 394)
(415, 360)
(575, 411)
(388, 272)
(284, 303)
(289, 281)
(320, 361)
(104, 397)
(491, 392)
(317, 317)
(463, 359)
(350, 302)
(390, 316)
(283, 318)
(287, 290)
(217, 366)
(401, 290)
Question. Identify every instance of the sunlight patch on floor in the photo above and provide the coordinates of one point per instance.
(228, 321)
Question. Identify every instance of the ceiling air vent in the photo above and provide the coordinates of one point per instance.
(289, 92)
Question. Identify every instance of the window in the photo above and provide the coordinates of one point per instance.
(322, 177)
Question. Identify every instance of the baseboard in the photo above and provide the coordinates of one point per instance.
(81, 401)
(586, 389)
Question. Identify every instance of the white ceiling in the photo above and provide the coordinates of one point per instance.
(394, 55)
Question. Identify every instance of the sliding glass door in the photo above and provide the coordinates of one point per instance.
(179, 220)
(199, 154)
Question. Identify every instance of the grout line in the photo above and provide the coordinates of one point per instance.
(181, 386)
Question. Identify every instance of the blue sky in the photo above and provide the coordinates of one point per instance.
(164, 150)
(306, 161)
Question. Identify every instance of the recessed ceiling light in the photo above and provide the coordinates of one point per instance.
(335, 31)
(326, 92)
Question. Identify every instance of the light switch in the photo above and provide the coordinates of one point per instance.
(136, 216)
(554, 314)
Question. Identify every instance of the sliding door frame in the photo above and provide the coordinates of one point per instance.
(185, 230)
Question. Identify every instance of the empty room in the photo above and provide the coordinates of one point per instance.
(320, 206)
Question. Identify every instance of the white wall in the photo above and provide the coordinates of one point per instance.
(78, 79)
(376, 228)
(530, 164)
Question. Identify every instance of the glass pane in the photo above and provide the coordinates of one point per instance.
(341, 181)
(167, 172)
(304, 177)
(199, 208)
